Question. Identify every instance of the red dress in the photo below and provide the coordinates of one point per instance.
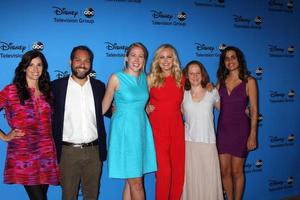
(31, 159)
(168, 130)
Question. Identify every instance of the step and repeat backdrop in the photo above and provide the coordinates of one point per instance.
(267, 31)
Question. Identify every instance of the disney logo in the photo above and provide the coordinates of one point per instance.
(204, 47)
(276, 94)
(115, 46)
(61, 74)
(238, 18)
(160, 14)
(10, 46)
(275, 3)
(276, 139)
(64, 11)
(274, 48)
(273, 183)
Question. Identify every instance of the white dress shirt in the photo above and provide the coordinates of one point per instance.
(199, 119)
(79, 118)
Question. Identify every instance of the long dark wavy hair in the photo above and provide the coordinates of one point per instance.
(20, 77)
(223, 72)
(204, 75)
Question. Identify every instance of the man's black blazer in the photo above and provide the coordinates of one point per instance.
(59, 89)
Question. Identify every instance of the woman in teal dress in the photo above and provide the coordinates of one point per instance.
(131, 150)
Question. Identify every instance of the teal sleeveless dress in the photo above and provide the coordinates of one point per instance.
(131, 151)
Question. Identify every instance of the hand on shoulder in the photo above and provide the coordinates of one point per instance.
(210, 86)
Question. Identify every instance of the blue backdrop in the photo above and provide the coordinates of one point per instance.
(266, 30)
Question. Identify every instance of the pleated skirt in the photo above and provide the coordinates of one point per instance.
(202, 172)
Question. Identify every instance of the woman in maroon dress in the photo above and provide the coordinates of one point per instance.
(31, 156)
(236, 134)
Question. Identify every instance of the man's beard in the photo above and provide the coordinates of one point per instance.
(80, 74)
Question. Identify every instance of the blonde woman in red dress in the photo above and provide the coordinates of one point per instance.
(165, 83)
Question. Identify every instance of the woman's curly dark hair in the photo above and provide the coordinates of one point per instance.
(20, 77)
(223, 72)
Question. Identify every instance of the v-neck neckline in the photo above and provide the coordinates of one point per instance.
(230, 93)
(195, 101)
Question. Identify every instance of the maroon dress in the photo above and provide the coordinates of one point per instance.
(31, 159)
(233, 125)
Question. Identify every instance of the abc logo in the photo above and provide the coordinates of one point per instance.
(259, 71)
(222, 46)
(291, 93)
(291, 137)
(259, 163)
(290, 180)
(260, 117)
(38, 46)
(181, 16)
(291, 49)
(92, 74)
(89, 12)
(290, 4)
(258, 20)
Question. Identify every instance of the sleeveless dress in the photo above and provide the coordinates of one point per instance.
(131, 151)
(168, 131)
(31, 159)
(233, 124)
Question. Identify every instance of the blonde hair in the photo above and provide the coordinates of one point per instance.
(156, 76)
(133, 45)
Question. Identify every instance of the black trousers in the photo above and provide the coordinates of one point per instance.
(37, 192)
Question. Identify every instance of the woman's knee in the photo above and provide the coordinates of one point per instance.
(136, 184)
(225, 171)
(237, 172)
